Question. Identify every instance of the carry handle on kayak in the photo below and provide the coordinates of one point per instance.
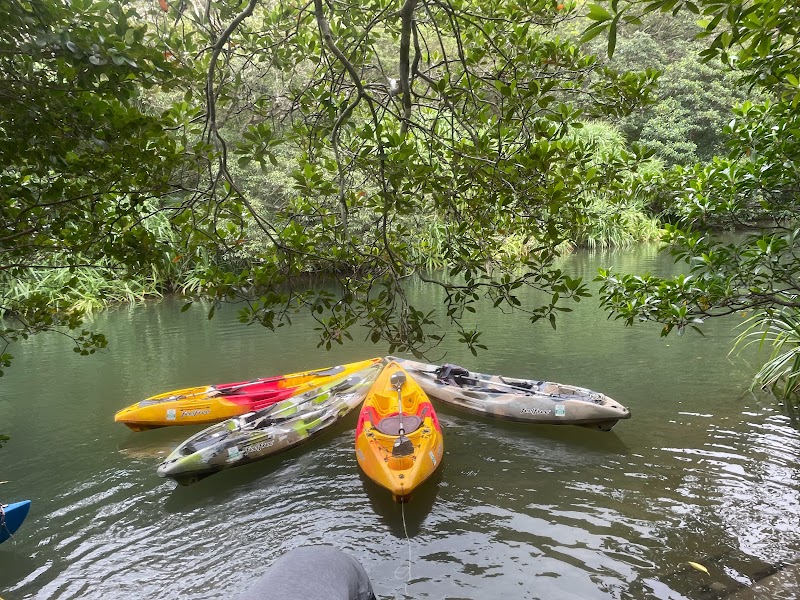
(402, 445)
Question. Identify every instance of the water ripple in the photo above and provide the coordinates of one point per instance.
(699, 474)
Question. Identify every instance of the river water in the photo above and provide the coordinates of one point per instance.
(704, 471)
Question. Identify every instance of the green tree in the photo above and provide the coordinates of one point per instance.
(83, 167)
(457, 111)
(694, 98)
(755, 184)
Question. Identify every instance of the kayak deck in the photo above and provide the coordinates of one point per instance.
(515, 399)
(398, 437)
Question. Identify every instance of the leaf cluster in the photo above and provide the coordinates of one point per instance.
(455, 113)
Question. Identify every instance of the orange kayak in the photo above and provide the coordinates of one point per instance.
(398, 438)
(212, 403)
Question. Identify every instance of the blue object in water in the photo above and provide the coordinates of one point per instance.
(11, 517)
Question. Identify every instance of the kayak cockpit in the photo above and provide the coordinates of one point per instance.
(391, 425)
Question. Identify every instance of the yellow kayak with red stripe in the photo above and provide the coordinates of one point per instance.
(212, 403)
(398, 437)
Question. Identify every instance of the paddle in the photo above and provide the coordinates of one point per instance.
(402, 445)
(485, 384)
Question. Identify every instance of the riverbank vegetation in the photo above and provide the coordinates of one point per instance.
(230, 152)
(753, 185)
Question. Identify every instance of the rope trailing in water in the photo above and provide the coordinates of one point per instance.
(408, 542)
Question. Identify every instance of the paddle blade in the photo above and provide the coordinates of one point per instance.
(402, 447)
(397, 379)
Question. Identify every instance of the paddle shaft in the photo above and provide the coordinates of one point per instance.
(402, 445)
(487, 383)
(400, 410)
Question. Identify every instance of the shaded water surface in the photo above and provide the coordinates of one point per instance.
(703, 472)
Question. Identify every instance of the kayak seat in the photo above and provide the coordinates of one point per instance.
(391, 425)
(450, 374)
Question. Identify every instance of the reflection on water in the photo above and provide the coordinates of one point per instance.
(408, 519)
(703, 472)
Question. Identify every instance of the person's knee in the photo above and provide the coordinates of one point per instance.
(313, 573)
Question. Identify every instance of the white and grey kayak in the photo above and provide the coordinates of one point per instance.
(525, 400)
(262, 433)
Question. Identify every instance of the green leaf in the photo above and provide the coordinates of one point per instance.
(592, 32)
(612, 38)
(598, 13)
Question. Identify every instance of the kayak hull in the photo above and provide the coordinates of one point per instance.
(213, 403)
(11, 517)
(260, 434)
(378, 436)
(513, 399)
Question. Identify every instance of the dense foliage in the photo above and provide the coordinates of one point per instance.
(235, 150)
(692, 105)
(458, 114)
(755, 185)
(82, 166)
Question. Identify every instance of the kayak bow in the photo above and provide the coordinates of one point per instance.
(11, 517)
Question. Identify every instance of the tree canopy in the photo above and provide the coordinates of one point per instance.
(147, 137)
(755, 186)
(390, 117)
(82, 164)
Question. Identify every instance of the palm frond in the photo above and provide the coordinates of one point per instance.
(781, 331)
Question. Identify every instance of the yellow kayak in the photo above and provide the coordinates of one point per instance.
(212, 403)
(398, 438)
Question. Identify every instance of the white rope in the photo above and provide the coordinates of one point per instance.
(408, 542)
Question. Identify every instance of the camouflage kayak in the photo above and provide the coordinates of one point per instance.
(259, 434)
(526, 400)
